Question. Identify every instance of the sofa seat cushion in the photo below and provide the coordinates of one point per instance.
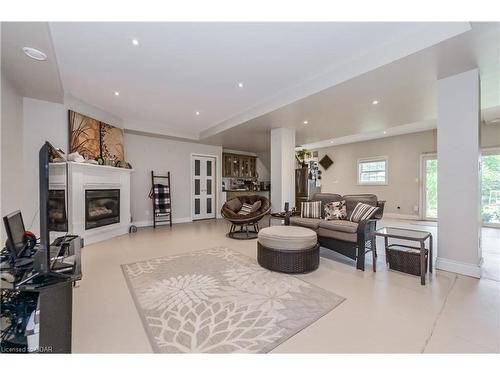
(286, 237)
(305, 222)
(344, 226)
(341, 236)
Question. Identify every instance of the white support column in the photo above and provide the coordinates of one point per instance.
(282, 168)
(459, 221)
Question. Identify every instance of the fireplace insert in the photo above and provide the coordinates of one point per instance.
(102, 207)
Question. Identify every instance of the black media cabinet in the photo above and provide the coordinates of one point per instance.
(51, 300)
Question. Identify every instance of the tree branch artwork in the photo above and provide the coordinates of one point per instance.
(94, 139)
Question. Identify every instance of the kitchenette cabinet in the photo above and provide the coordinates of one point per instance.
(241, 166)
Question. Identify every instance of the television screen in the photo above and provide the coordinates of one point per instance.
(14, 227)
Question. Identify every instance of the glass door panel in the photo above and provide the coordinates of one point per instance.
(490, 188)
(430, 193)
(203, 187)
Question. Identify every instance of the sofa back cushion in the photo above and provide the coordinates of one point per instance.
(311, 210)
(326, 198)
(352, 200)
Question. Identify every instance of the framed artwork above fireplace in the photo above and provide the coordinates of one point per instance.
(95, 139)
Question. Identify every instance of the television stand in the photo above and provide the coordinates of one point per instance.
(45, 278)
(43, 298)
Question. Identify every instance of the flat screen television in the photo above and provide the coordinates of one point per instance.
(46, 154)
(42, 257)
(43, 185)
(16, 239)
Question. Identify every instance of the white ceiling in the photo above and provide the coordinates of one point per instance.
(181, 68)
(405, 89)
(326, 73)
(39, 80)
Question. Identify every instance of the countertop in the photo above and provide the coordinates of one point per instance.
(243, 191)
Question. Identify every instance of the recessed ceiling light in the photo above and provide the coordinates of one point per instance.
(117, 93)
(385, 132)
(331, 141)
(306, 122)
(375, 102)
(135, 42)
(240, 84)
(35, 54)
(197, 113)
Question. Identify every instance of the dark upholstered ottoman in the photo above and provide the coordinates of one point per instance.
(288, 249)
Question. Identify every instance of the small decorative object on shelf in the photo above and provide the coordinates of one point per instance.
(76, 157)
(123, 164)
(326, 162)
(110, 162)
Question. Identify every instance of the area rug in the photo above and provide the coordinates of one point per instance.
(221, 301)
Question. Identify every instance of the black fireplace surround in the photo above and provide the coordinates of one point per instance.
(102, 207)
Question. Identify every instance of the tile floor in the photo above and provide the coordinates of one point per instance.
(385, 311)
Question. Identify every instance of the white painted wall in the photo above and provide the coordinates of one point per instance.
(147, 153)
(404, 153)
(282, 168)
(458, 174)
(47, 121)
(12, 176)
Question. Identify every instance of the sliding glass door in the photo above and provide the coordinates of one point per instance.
(429, 187)
(490, 187)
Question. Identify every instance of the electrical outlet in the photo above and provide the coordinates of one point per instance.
(415, 208)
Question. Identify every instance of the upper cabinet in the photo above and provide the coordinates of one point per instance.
(242, 166)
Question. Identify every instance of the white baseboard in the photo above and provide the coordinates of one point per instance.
(467, 269)
(390, 215)
(104, 233)
(149, 223)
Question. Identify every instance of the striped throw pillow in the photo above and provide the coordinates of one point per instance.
(311, 210)
(245, 209)
(362, 211)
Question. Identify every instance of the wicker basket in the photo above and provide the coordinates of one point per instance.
(405, 260)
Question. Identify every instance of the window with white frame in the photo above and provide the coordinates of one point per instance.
(372, 171)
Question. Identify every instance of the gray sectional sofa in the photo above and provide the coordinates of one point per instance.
(351, 239)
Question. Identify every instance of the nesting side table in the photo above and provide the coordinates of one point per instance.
(410, 235)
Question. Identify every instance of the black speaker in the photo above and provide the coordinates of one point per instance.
(287, 206)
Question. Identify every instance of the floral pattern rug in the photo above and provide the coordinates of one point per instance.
(221, 301)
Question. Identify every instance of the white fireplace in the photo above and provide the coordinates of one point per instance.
(98, 206)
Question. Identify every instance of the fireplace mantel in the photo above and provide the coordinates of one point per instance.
(83, 176)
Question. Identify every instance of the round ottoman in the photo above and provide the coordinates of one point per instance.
(288, 249)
